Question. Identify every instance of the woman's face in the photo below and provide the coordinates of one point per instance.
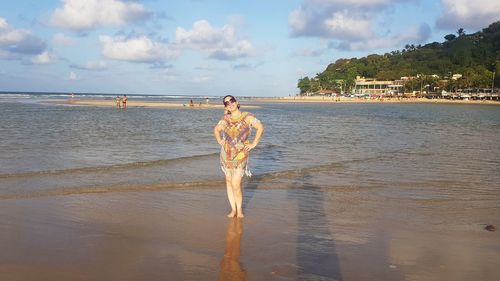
(231, 104)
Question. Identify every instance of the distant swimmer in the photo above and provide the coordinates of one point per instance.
(124, 101)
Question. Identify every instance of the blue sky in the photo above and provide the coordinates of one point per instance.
(201, 47)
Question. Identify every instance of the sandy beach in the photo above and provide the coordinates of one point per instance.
(288, 234)
(316, 99)
(154, 104)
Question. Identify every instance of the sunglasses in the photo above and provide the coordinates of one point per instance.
(230, 101)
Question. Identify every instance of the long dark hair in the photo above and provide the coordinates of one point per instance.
(228, 96)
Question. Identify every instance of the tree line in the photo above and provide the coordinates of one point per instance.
(475, 56)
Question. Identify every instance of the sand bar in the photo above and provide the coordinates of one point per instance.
(132, 103)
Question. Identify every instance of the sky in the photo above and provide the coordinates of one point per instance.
(202, 47)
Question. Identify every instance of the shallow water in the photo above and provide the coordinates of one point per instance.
(428, 151)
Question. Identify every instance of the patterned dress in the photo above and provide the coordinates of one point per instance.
(235, 134)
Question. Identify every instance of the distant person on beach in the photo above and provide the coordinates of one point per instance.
(124, 101)
(232, 133)
(118, 101)
(191, 103)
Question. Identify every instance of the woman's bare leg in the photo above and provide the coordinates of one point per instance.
(230, 196)
(238, 195)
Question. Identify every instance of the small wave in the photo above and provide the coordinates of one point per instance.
(14, 96)
(159, 186)
(115, 188)
(75, 184)
(110, 167)
(301, 171)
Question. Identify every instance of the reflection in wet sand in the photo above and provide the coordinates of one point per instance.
(230, 266)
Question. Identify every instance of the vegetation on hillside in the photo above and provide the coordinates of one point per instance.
(475, 56)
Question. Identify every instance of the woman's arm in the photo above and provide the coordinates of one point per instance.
(260, 130)
(217, 130)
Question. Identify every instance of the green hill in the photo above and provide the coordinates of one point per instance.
(475, 56)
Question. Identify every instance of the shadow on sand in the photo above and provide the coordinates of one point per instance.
(250, 187)
(316, 254)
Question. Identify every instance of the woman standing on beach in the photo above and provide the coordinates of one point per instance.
(118, 101)
(232, 133)
(124, 101)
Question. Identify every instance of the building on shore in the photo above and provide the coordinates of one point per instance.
(320, 93)
(372, 87)
(423, 86)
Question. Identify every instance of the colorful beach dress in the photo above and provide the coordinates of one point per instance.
(235, 134)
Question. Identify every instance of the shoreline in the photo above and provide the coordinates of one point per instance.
(363, 100)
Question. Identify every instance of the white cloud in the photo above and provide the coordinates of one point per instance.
(351, 25)
(298, 21)
(415, 35)
(221, 43)
(3, 24)
(91, 65)
(73, 77)
(43, 58)
(337, 19)
(468, 14)
(83, 15)
(239, 49)
(63, 40)
(364, 4)
(17, 42)
(137, 49)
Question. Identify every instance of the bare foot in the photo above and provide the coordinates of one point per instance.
(232, 214)
(240, 214)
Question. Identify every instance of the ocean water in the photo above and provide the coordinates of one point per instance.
(419, 151)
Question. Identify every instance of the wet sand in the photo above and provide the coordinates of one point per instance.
(302, 233)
